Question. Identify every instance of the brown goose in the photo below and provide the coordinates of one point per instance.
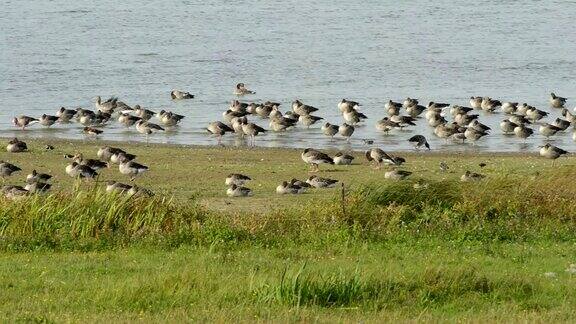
(24, 121)
(76, 170)
(551, 152)
(252, 130)
(343, 159)
(218, 128)
(237, 179)
(557, 102)
(179, 95)
(419, 141)
(397, 174)
(329, 129)
(48, 120)
(7, 169)
(37, 177)
(241, 90)
(128, 120)
(107, 106)
(238, 191)
(318, 182)
(92, 131)
(147, 128)
(92, 163)
(65, 115)
(16, 146)
(314, 158)
(113, 186)
(131, 168)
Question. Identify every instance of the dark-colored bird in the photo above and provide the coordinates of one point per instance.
(419, 141)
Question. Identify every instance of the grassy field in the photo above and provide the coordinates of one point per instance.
(496, 250)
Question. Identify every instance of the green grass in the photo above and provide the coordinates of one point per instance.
(386, 251)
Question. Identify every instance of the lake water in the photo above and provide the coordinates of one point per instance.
(64, 53)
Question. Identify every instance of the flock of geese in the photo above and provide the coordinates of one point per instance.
(464, 126)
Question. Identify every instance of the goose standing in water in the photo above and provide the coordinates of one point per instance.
(107, 106)
(315, 158)
(309, 120)
(24, 121)
(318, 182)
(170, 119)
(302, 109)
(557, 102)
(65, 115)
(489, 104)
(237, 179)
(7, 169)
(507, 126)
(471, 176)
(548, 130)
(397, 174)
(48, 120)
(568, 115)
(131, 168)
(551, 152)
(509, 108)
(392, 108)
(403, 121)
(128, 120)
(386, 125)
(346, 131)
(343, 159)
(219, 129)
(562, 124)
(522, 131)
(476, 102)
(252, 130)
(241, 90)
(147, 128)
(345, 104)
(238, 191)
(353, 116)
(179, 95)
(419, 141)
(329, 129)
(16, 146)
(143, 113)
(409, 102)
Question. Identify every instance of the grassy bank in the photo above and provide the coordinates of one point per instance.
(492, 250)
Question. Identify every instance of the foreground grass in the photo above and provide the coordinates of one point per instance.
(494, 250)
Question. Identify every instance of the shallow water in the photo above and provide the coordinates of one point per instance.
(64, 53)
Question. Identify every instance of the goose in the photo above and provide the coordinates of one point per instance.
(92, 131)
(107, 106)
(7, 169)
(230, 114)
(352, 116)
(143, 113)
(37, 177)
(16, 146)
(460, 110)
(179, 95)
(252, 130)
(562, 124)
(471, 176)
(436, 120)
(14, 192)
(379, 156)
(241, 90)
(105, 153)
(114, 186)
(433, 113)
(557, 102)
(419, 141)
(237, 179)
(281, 123)
(139, 192)
(308, 120)
(315, 158)
(275, 113)
(535, 114)
(65, 115)
(522, 131)
(329, 129)
(409, 102)
(434, 105)
(24, 121)
(263, 111)
(489, 104)
(37, 187)
(397, 174)
(476, 102)
(568, 115)
(292, 115)
(302, 109)
(219, 129)
(521, 110)
(548, 130)
(272, 104)
(473, 134)
(551, 152)
(519, 120)
(417, 110)
(393, 108)
(346, 130)
(92, 163)
(403, 120)
(131, 168)
(509, 107)
(386, 125)
(507, 126)
(287, 188)
(236, 124)
(85, 116)
(346, 104)
(147, 128)
(464, 119)
(475, 124)
(242, 107)
(128, 120)
(444, 131)
(48, 120)
(318, 182)
(300, 183)
(237, 191)
(101, 118)
(170, 119)
(343, 159)
(76, 170)
(117, 156)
